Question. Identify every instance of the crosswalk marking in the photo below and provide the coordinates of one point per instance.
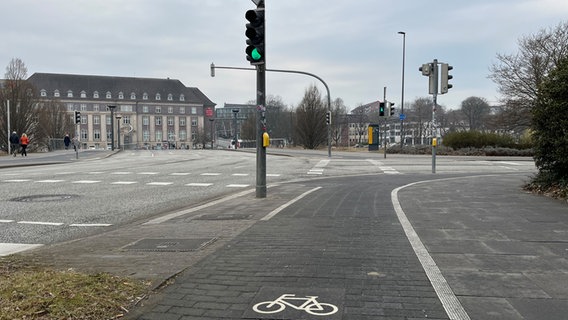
(49, 181)
(196, 184)
(17, 180)
(237, 185)
(124, 182)
(41, 223)
(159, 183)
(147, 173)
(86, 181)
(180, 173)
(211, 174)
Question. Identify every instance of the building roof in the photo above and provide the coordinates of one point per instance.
(127, 85)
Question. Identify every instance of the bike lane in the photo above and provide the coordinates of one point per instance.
(338, 252)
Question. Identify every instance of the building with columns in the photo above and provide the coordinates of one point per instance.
(149, 112)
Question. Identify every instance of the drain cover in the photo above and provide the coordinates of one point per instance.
(45, 198)
(170, 245)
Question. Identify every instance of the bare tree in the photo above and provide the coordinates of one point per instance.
(476, 110)
(310, 123)
(420, 112)
(338, 112)
(360, 121)
(519, 75)
(23, 116)
(53, 123)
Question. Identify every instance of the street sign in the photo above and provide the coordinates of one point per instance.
(402, 116)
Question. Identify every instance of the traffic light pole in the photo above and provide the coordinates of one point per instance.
(261, 129)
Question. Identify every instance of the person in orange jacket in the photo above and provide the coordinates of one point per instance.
(24, 141)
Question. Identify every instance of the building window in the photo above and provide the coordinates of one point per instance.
(145, 109)
(183, 135)
(56, 93)
(145, 120)
(145, 96)
(108, 120)
(83, 107)
(158, 96)
(193, 110)
(182, 121)
(170, 121)
(43, 93)
(84, 134)
(69, 94)
(96, 107)
(170, 97)
(158, 109)
(83, 94)
(181, 97)
(96, 94)
(121, 95)
(158, 121)
(97, 135)
(126, 119)
(170, 109)
(171, 135)
(126, 108)
(193, 122)
(146, 135)
(108, 135)
(182, 110)
(83, 119)
(159, 135)
(132, 96)
(97, 120)
(108, 95)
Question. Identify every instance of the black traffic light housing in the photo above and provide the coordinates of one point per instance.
(381, 109)
(391, 108)
(328, 117)
(445, 86)
(77, 117)
(255, 35)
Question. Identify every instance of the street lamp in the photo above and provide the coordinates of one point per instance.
(402, 95)
(236, 140)
(111, 108)
(118, 117)
(212, 134)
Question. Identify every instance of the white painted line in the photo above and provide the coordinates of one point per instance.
(315, 172)
(210, 174)
(284, 206)
(237, 185)
(159, 183)
(41, 223)
(7, 221)
(95, 172)
(90, 225)
(147, 173)
(510, 163)
(450, 302)
(322, 163)
(121, 172)
(10, 248)
(86, 181)
(197, 184)
(180, 173)
(240, 174)
(50, 181)
(17, 180)
(203, 206)
(273, 175)
(124, 182)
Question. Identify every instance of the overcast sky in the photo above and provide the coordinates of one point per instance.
(353, 45)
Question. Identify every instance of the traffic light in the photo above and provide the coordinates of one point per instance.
(381, 109)
(391, 108)
(77, 117)
(255, 35)
(431, 71)
(328, 117)
(445, 77)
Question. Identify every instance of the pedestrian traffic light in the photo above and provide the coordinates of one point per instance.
(445, 77)
(391, 108)
(431, 71)
(328, 117)
(381, 109)
(77, 117)
(255, 35)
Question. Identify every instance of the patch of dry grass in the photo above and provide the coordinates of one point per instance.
(29, 290)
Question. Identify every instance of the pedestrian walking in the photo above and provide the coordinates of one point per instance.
(14, 142)
(24, 144)
(67, 141)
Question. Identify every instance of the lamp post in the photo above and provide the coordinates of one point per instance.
(211, 121)
(111, 108)
(236, 139)
(118, 117)
(402, 95)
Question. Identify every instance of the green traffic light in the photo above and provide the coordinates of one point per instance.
(255, 54)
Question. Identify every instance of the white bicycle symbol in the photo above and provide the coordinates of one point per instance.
(310, 305)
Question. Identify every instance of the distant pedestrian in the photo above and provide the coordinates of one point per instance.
(67, 141)
(14, 142)
(24, 141)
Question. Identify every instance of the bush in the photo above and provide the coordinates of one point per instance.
(476, 139)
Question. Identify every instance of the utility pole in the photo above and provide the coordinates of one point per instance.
(385, 123)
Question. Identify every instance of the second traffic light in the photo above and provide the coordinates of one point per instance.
(445, 77)
(391, 109)
(328, 117)
(77, 117)
(381, 109)
(255, 36)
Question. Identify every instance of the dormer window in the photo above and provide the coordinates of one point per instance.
(132, 96)
(43, 93)
(170, 97)
(83, 94)
(121, 95)
(56, 93)
(96, 94)
(158, 96)
(69, 94)
(145, 96)
(181, 97)
(108, 95)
